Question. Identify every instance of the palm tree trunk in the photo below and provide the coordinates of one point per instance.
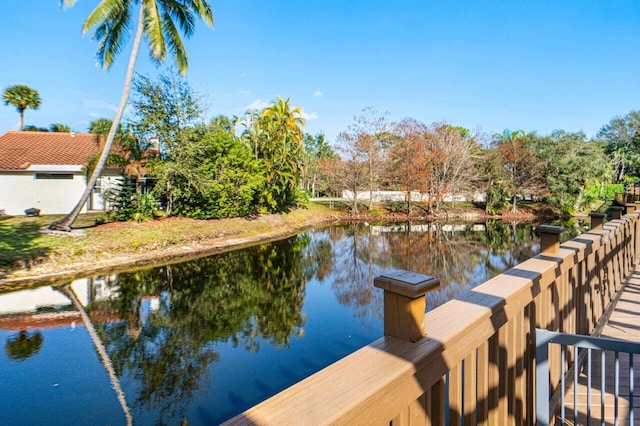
(68, 291)
(22, 119)
(65, 223)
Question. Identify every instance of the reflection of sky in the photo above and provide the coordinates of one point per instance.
(64, 383)
(241, 378)
(151, 304)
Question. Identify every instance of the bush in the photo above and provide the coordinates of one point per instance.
(128, 204)
(396, 206)
(146, 207)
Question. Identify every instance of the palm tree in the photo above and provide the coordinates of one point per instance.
(157, 22)
(22, 97)
(282, 150)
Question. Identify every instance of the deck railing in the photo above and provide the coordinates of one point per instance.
(476, 361)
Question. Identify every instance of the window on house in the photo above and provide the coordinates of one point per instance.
(54, 175)
(97, 188)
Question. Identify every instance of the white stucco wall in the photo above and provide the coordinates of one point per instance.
(21, 190)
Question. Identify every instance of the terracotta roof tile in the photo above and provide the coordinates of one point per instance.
(19, 150)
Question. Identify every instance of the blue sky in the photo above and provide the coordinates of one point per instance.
(532, 65)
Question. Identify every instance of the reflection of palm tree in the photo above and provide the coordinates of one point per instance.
(242, 297)
(102, 352)
(23, 345)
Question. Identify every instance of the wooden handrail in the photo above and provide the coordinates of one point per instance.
(476, 363)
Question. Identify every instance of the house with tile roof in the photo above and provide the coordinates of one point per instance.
(45, 171)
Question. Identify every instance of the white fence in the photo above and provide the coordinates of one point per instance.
(385, 196)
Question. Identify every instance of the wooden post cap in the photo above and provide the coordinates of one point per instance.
(631, 207)
(550, 238)
(597, 220)
(406, 283)
(616, 212)
(404, 303)
(550, 229)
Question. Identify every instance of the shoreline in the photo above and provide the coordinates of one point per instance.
(275, 227)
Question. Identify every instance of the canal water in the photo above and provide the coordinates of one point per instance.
(200, 341)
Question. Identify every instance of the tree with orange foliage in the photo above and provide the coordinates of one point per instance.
(408, 166)
(520, 166)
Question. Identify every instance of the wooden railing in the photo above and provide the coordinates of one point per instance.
(476, 361)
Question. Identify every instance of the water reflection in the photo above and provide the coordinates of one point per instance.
(171, 314)
(200, 341)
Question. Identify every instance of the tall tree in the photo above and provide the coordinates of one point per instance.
(450, 158)
(157, 22)
(408, 167)
(316, 149)
(165, 109)
(59, 127)
(22, 97)
(571, 162)
(281, 150)
(349, 169)
(100, 126)
(370, 132)
(621, 139)
(519, 163)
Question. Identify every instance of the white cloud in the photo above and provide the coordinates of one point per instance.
(318, 94)
(245, 92)
(98, 104)
(309, 116)
(257, 104)
(244, 74)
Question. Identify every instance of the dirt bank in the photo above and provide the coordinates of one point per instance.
(223, 235)
(118, 246)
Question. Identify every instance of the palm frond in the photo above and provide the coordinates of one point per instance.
(178, 12)
(203, 8)
(153, 30)
(105, 11)
(112, 34)
(175, 44)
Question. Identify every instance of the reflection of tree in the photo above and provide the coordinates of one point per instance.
(458, 256)
(165, 362)
(23, 345)
(173, 313)
(450, 256)
(319, 255)
(358, 260)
